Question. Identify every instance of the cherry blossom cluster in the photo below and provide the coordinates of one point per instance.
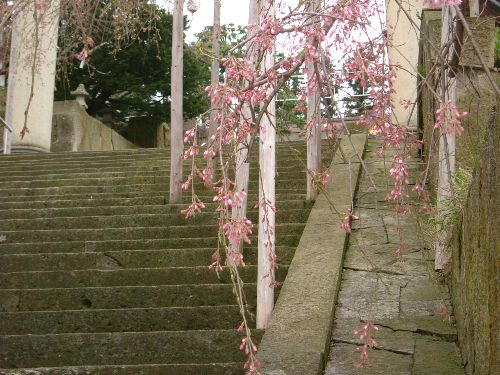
(347, 220)
(449, 119)
(400, 174)
(365, 335)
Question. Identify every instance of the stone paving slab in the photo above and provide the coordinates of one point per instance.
(434, 356)
(400, 294)
(344, 357)
(401, 341)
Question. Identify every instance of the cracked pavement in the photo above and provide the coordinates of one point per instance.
(403, 297)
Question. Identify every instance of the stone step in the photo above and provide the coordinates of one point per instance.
(126, 277)
(124, 191)
(106, 245)
(129, 348)
(280, 146)
(120, 320)
(75, 154)
(127, 233)
(297, 154)
(232, 368)
(41, 172)
(293, 178)
(296, 149)
(122, 297)
(122, 200)
(126, 259)
(34, 178)
(138, 220)
(158, 185)
(63, 202)
(124, 209)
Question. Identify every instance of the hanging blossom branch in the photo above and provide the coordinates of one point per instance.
(353, 28)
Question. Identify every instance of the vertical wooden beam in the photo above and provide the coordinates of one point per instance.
(242, 162)
(2, 62)
(313, 121)
(176, 115)
(267, 199)
(7, 139)
(474, 8)
(214, 80)
(446, 166)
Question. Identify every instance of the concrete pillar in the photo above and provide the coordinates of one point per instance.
(32, 75)
(404, 31)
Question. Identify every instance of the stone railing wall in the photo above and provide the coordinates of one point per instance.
(74, 130)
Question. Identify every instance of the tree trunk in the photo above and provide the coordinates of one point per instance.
(176, 115)
(267, 200)
(313, 122)
(446, 141)
(214, 82)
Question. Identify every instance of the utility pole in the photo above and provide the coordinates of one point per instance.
(176, 114)
(313, 119)
(267, 196)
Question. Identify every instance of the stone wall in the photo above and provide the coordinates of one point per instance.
(475, 244)
(476, 262)
(74, 130)
(148, 135)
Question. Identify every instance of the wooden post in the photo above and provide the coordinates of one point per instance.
(242, 162)
(2, 62)
(446, 165)
(313, 121)
(267, 199)
(214, 81)
(176, 115)
(474, 8)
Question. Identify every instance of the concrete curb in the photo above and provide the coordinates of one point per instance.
(298, 336)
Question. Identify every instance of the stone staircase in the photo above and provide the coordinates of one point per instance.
(100, 275)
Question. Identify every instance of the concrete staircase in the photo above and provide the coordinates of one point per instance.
(100, 275)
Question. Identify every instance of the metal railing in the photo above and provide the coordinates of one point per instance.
(7, 136)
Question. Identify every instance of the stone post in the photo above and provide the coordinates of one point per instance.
(30, 90)
(403, 20)
(81, 95)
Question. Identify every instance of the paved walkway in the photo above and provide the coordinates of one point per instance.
(403, 298)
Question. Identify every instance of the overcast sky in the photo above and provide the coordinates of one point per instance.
(232, 11)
